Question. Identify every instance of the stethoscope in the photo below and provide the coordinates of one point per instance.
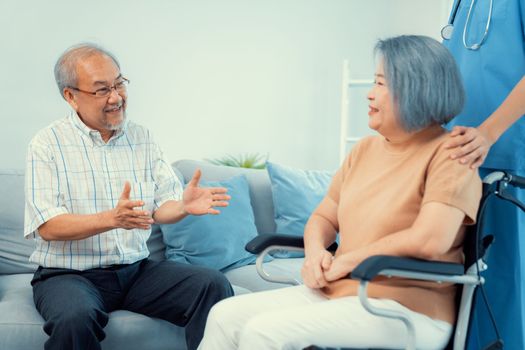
(446, 31)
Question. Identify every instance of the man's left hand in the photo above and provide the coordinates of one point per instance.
(203, 200)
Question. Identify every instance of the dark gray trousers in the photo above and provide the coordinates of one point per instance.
(75, 304)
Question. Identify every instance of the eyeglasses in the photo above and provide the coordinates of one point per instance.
(120, 87)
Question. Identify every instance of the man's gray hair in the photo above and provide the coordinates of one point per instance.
(423, 80)
(66, 66)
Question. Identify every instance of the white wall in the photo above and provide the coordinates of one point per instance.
(208, 77)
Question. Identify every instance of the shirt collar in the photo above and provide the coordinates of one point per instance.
(94, 134)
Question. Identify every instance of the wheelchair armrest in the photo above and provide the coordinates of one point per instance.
(436, 271)
(263, 241)
(263, 244)
(375, 265)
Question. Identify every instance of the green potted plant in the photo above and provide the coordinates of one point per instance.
(246, 160)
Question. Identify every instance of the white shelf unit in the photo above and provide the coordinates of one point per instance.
(353, 125)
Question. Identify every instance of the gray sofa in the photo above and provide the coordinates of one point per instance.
(21, 324)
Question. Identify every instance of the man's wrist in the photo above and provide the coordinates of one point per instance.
(107, 219)
(183, 211)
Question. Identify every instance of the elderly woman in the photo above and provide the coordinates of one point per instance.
(396, 193)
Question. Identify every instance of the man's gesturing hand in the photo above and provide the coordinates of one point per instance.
(203, 200)
(126, 216)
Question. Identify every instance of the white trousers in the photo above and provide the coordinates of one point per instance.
(296, 317)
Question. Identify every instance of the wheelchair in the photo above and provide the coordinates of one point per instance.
(467, 275)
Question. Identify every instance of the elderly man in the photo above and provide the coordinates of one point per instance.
(95, 185)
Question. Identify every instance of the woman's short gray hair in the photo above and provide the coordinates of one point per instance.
(66, 66)
(423, 80)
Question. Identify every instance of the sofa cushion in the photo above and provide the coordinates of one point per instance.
(248, 278)
(296, 194)
(260, 190)
(215, 241)
(14, 248)
(21, 324)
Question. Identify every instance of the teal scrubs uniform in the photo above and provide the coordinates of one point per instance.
(489, 74)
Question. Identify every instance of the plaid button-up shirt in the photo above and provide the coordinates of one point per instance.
(70, 169)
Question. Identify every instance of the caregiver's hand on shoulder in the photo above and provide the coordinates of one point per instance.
(470, 145)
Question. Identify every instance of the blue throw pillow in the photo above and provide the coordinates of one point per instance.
(215, 241)
(296, 193)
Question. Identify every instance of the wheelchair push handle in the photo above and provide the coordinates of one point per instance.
(509, 178)
(496, 183)
(516, 180)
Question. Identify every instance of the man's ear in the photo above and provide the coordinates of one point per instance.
(70, 98)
